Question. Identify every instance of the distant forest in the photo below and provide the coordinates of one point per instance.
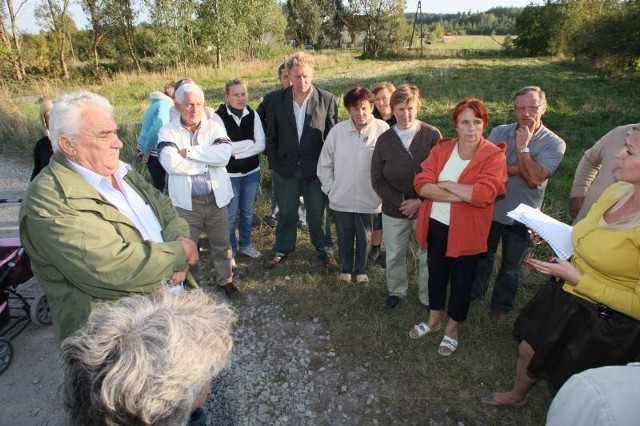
(495, 21)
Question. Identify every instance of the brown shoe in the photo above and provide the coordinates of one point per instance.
(329, 262)
(498, 316)
(273, 262)
(231, 290)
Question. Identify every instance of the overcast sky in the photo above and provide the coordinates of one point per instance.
(26, 21)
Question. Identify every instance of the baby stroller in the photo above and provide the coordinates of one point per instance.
(15, 269)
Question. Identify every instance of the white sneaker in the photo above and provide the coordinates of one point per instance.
(251, 252)
(233, 263)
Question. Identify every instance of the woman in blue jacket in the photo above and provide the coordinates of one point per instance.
(154, 118)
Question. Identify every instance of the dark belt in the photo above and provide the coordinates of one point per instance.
(605, 312)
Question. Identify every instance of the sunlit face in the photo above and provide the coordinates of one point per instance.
(406, 114)
(97, 146)
(190, 109)
(361, 114)
(529, 109)
(628, 164)
(284, 78)
(469, 127)
(237, 96)
(301, 77)
(382, 103)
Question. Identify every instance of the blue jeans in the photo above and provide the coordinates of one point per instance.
(515, 244)
(241, 209)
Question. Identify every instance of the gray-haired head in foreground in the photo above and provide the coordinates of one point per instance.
(146, 360)
(192, 88)
(64, 119)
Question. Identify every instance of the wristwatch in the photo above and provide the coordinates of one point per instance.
(525, 150)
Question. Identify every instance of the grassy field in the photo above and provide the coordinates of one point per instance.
(414, 383)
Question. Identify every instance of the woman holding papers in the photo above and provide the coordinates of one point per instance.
(460, 181)
(590, 316)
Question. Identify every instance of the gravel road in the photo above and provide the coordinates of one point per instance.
(282, 372)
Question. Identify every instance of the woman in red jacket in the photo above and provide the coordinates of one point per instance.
(460, 181)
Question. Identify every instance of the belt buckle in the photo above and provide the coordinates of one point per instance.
(604, 312)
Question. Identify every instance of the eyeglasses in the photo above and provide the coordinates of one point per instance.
(530, 109)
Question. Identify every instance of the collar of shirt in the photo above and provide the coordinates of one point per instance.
(96, 180)
(127, 201)
(245, 112)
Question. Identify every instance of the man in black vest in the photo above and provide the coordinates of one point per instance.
(298, 120)
(242, 124)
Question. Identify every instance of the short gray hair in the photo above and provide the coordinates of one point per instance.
(64, 119)
(530, 89)
(192, 88)
(145, 359)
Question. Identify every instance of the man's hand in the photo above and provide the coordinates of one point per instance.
(576, 205)
(190, 249)
(178, 277)
(183, 152)
(523, 137)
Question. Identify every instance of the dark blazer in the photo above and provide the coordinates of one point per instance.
(283, 150)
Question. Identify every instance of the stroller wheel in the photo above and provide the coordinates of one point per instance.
(6, 354)
(39, 310)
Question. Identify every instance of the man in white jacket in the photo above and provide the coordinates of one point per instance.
(194, 151)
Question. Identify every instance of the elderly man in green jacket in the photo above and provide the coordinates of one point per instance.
(94, 228)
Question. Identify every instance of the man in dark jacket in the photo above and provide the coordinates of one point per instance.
(298, 120)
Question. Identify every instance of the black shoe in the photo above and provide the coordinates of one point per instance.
(231, 290)
(391, 302)
(374, 255)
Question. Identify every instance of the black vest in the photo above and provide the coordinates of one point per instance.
(239, 133)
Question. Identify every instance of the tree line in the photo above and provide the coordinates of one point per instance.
(599, 32)
(495, 21)
(152, 35)
(180, 33)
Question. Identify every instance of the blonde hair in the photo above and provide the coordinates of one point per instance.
(300, 59)
(625, 191)
(234, 82)
(145, 359)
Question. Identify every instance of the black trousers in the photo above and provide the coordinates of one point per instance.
(460, 271)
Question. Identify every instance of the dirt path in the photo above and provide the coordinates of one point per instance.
(29, 387)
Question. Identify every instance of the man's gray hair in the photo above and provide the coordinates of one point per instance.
(64, 119)
(192, 88)
(529, 89)
(146, 359)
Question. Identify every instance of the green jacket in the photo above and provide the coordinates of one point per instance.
(84, 251)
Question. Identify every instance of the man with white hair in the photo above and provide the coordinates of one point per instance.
(96, 230)
(195, 151)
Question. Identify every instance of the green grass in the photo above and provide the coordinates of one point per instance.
(471, 42)
(412, 382)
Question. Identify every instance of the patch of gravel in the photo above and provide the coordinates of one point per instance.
(285, 372)
(282, 372)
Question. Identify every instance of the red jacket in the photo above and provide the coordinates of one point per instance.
(469, 223)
